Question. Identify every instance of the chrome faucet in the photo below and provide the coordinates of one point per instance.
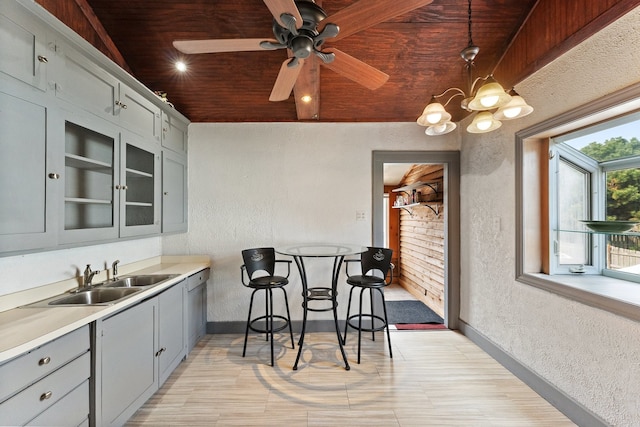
(88, 276)
(114, 268)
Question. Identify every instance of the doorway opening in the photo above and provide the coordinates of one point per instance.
(416, 213)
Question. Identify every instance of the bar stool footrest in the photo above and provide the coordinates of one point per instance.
(354, 320)
(265, 329)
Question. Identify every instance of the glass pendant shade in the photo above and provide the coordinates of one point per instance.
(483, 122)
(515, 109)
(490, 95)
(434, 113)
(440, 129)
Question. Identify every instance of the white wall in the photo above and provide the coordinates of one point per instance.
(24, 272)
(588, 353)
(270, 184)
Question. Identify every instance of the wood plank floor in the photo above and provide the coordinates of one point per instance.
(436, 378)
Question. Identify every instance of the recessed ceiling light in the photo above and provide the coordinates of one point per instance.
(181, 66)
(306, 98)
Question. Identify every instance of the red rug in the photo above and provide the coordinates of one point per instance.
(418, 326)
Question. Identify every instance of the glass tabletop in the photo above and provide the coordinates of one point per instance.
(321, 249)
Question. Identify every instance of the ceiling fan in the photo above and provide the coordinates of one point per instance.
(302, 27)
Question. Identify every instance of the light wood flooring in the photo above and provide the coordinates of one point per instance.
(436, 378)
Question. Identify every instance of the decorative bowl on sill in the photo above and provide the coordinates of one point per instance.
(610, 226)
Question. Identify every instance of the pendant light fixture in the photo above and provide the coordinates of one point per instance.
(489, 96)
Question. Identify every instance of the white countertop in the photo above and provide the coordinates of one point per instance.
(22, 329)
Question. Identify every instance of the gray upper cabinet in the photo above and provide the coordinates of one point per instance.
(30, 180)
(174, 133)
(81, 142)
(84, 84)
(174, 192)
(139, 186)
(138, 114)
(23, 43)
(91, 155)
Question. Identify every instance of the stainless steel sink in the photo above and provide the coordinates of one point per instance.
(95, 296)
(137, 281)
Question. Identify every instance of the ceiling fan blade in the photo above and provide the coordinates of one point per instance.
(367, 13)
(356, 70)
(278, 7)
(286, 79)
(220, 45)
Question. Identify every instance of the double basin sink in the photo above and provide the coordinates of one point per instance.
(108, 292)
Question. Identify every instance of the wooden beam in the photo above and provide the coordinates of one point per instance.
(95, 23)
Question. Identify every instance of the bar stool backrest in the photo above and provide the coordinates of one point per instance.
(259, 259)
(376, 259)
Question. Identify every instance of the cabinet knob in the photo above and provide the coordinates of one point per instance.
(117, 187)
(166, 193)
(45, 396)
(54, 176)
(43, 59)
(121, 105)
(44, 361)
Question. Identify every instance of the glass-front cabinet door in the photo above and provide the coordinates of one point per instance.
(90, 202)
(139, 186)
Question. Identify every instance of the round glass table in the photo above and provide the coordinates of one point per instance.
(314, 296)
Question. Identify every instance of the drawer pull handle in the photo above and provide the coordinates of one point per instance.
(43, 59)
(45, 396)
(44, 361)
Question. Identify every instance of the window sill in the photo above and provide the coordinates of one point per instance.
(617, 296)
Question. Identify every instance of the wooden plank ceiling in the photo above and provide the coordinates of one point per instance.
(419, 50)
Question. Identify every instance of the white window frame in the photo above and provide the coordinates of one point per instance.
(621, 297)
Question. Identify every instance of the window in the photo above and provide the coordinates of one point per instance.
(568, 171)
(595, 175)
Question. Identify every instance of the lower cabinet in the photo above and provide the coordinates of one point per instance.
(136, 350)
(196, 307)
(48, 385)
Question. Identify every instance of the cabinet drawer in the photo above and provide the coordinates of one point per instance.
(40, 396)
(71, 410)
(24, 370)
(197, 279)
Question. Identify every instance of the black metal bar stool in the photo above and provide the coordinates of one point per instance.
(264, 260)
(374, 259)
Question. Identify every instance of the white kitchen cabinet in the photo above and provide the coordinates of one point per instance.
(23, 43)
(137, 349)
(49, 383)
(28, 174)
(196, 308)
(174, 192)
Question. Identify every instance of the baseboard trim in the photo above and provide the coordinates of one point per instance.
(575, 411)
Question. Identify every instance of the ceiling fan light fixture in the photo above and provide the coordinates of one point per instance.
(515, 109)
(440, 129)
(181, 66)
(483, 122)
